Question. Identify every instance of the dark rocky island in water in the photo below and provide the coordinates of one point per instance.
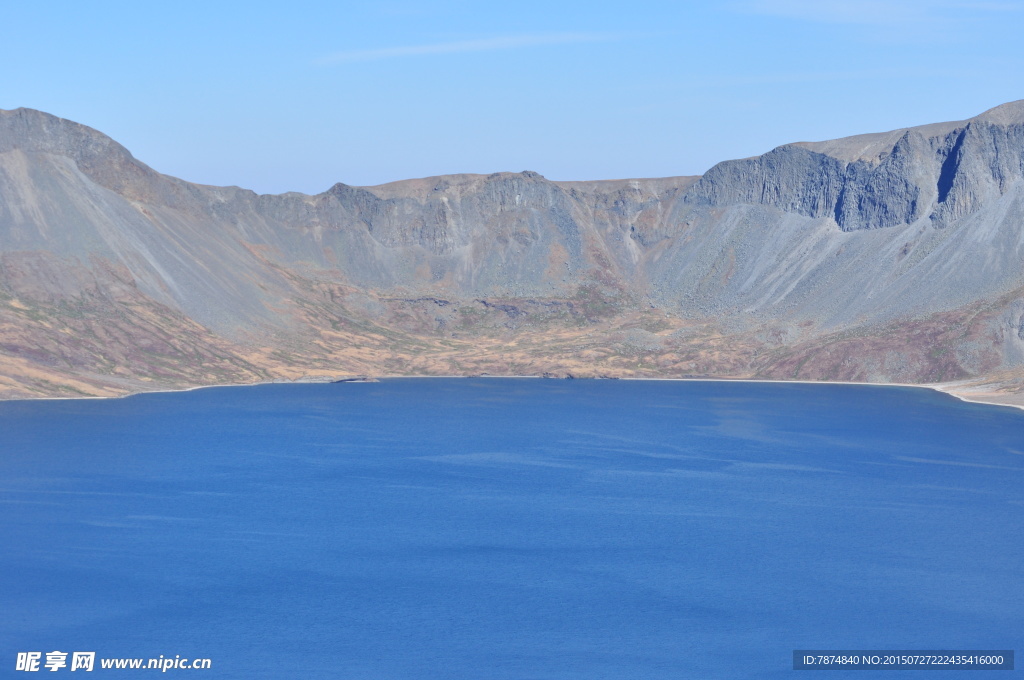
(890, 257)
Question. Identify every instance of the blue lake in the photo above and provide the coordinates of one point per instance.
(503, 528)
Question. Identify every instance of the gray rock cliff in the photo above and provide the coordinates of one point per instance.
(807, 242)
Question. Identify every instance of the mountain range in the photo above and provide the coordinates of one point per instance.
(894, 257)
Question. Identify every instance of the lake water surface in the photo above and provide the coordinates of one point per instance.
(504, 528)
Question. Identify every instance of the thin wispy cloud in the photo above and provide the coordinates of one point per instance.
(478, 45)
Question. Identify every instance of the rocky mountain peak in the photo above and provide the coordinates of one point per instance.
(36, 131)
(1011, 113)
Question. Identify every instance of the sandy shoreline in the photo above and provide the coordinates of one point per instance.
(944, 388)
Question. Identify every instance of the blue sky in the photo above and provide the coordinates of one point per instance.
(300, 95)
